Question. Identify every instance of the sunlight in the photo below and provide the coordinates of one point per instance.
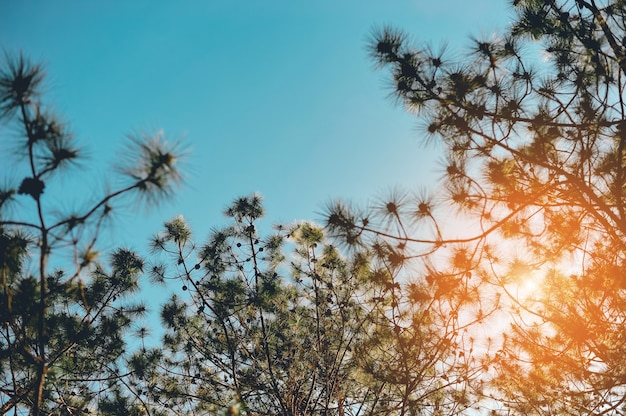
(530, 283)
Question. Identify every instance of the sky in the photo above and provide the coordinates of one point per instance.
(275, 97)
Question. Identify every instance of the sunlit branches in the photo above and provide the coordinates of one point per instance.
(534, 168)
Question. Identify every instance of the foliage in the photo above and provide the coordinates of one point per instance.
(405, 319)
(533, 125)
(65, 316)
(281, 323)
(284, 324)
(248, 334)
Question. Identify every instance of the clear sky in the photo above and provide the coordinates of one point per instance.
(275, 96)
(278, 97)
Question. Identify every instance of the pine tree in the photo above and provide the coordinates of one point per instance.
(258, 327)
(289, 324)
(65, 316)
(533, 123)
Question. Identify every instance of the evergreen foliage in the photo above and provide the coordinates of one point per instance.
(533, 123)
(395, 309)
(65, 316)
(285, 324)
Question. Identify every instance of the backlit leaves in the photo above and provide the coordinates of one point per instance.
(535, 153)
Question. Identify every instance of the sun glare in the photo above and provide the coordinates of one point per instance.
(529, 283)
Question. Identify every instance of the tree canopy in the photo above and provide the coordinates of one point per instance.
(286, 324)
(65, 314)
(533, 126)
(514, 304)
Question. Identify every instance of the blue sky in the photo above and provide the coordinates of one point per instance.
(275, 97)
(278, 97)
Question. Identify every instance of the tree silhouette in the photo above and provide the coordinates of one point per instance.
(534, 130)
(63, 314)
